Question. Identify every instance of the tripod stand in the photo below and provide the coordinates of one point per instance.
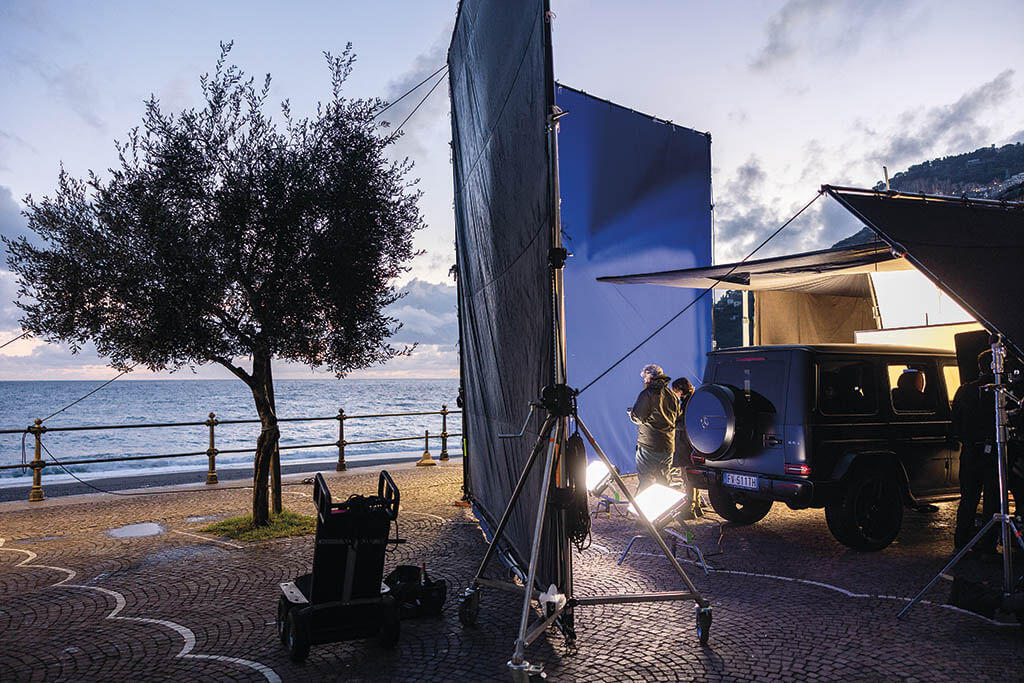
(559, 401)
(1003, 518)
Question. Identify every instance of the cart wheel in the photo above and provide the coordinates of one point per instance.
(283, 607)
(390, 621)
(297, 628)
(703, 624)
(469, 606)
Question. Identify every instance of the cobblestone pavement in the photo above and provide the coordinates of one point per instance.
(789, 603)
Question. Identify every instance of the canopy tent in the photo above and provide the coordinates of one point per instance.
(971, 249)
(810, 298)
(834, 272)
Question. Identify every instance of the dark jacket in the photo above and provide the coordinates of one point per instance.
(974, 413)
(655, 412)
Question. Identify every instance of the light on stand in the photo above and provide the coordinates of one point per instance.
(598, 477)
(658, 503)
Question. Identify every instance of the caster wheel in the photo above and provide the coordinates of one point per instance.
(390, 625)
(469, 606)
(283, 607)
(297, 634)
(703, 624)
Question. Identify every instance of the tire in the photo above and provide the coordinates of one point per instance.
(703, 624)
(869, 514)
(469, 606)
(283, 607)
(390, 622)
(737, 507)
(297, 634)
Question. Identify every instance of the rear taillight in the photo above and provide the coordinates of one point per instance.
(798, 468)
(696, 458)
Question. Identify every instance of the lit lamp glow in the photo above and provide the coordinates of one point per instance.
(658, 503)
(598, 477)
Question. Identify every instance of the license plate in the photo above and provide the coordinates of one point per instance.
(740, 481)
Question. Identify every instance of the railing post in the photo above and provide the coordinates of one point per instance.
(444, 432)
(35, 494)
(211, 452)
(426, 460)
(341, 440)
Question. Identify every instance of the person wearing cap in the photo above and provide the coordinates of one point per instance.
(654, 412)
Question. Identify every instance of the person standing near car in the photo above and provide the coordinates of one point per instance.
(974, 426)
(654, 412)
(683, 390)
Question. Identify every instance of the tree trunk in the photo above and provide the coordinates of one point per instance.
(275, 460)
(262, 387)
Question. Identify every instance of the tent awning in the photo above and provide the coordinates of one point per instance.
(971, 249)
(836, 272)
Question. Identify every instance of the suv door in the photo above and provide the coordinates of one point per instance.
(951, 377)
(919, 423)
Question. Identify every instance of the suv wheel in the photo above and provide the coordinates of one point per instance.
(870, 512)
(737, 507)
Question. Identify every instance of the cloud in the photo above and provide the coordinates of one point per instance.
(426, 361)
(745, 216)
(434, 108)
(12, 223)
(427, 313)
(955, 127)
(72, 84)
(819, 28)
(1015, 138)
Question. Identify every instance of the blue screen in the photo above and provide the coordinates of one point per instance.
(636, 198)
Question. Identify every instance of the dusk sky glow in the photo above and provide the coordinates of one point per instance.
(795, 94)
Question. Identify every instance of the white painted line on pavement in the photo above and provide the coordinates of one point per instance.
(211, 540)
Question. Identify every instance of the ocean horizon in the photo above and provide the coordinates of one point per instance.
(158, 401)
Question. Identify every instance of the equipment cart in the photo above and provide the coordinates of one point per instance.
(343, 598)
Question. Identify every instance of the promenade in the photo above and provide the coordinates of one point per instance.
(79, 604)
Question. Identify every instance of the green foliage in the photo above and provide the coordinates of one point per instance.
(287, 523)
(220, 236)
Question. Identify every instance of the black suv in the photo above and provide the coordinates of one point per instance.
(857, 429)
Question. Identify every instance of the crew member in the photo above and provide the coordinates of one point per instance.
(682, 388)
(974, 426)
(654, 412)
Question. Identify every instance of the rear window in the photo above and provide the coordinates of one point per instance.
(755, 375)
(847, 387)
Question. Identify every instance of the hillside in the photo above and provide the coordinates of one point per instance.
(989, 172)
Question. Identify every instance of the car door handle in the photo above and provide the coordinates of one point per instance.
(771, 441)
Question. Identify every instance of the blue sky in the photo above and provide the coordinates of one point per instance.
(795, 94)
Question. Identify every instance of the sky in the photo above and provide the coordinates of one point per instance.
(795, 94)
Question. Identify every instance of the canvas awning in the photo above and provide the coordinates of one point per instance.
(834, 272)
(971, 249)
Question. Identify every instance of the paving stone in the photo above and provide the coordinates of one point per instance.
(789, 602)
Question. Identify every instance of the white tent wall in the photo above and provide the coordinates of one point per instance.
(787, 317)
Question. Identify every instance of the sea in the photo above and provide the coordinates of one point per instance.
(138, 402)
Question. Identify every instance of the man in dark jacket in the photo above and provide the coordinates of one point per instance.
(974, 427)
(654, 412)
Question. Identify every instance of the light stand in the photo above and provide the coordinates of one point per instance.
(551, 435)
(1003, 518)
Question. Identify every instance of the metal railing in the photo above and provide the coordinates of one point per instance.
(38, 429)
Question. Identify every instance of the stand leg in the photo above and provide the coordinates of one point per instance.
(538, 530)
(650, 527)
(956, 558)
(493, 546)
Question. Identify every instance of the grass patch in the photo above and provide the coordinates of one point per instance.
(287, 523)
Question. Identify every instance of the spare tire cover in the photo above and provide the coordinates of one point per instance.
(710, 420)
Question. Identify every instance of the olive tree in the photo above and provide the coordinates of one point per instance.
(220, 237)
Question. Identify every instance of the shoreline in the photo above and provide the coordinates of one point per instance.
(193, 478)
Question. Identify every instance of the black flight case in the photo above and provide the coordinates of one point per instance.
(343, 598)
